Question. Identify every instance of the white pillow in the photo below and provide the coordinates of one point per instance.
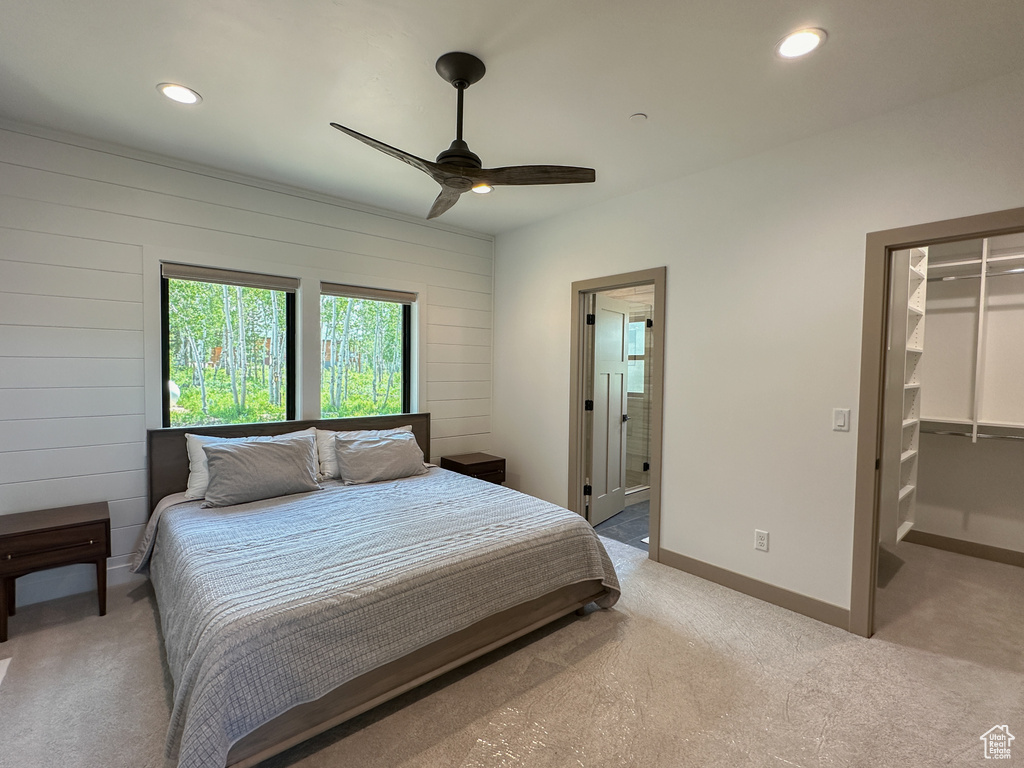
(327, 455)
(199, 471)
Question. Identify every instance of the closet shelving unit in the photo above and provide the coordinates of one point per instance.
(979, 422)
(903, 394)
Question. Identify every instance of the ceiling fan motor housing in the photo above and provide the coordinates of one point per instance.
(460, 69)
(460, 154)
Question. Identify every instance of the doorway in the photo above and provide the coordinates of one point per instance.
(883, 252)
(616, 405)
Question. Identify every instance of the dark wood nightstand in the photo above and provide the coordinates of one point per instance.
(49, 538)
(479, 465)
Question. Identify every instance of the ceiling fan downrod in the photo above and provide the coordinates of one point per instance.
(461, 70)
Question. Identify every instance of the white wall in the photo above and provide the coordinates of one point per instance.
(972, 491)
(82, 229)
(765, 264)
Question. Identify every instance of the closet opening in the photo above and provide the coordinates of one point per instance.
(616, 405)
(941, 423)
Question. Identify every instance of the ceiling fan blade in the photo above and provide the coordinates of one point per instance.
(534, 174)
(419, 163)
(444, 201)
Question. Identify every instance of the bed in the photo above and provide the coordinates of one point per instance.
(283, 617)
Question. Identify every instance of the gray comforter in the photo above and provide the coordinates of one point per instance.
(274, 603)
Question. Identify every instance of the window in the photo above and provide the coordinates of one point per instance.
(364, 349)
(635, 348)
(229, 346)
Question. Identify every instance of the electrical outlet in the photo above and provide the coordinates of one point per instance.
(761, 540)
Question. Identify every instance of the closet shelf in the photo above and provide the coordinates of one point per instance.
(909, 293)
(957, 263)
(904, 529)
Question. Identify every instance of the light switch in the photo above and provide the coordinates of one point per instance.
(840, 419)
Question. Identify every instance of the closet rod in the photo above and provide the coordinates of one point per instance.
(984, 435)
(950, 278)
(971, 262)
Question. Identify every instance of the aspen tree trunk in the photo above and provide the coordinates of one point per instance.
(199, 368)
(333, 388)
(375, 364)
(243, 355)
(273, 379)
(343, 349)
(229, 347)
(387, 392)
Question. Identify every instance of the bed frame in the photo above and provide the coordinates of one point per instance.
(168, 473)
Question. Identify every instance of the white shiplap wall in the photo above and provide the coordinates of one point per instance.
(82, 229)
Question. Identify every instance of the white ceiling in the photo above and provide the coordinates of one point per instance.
(562, 79)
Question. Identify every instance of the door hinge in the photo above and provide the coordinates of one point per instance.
(588, 405)
(650, 323)
(647, 466)
(587, 490)
(878, 463)
(591, 319)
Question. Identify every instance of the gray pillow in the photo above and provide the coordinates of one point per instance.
(249, 471)
(326, 454)
(369, 458)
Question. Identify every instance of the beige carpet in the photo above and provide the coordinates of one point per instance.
(681, 673)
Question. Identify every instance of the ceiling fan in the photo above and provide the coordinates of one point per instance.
(458, 169)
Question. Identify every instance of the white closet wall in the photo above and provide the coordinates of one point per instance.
(970, 488)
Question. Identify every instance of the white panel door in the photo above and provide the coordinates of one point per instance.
(608, 473)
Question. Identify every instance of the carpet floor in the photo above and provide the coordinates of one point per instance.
(682, 672)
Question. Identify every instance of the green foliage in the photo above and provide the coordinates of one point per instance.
(227, 354)
(361, 357)
(220, 404)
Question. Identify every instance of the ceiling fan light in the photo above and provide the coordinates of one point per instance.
(179, 93)
(800, 43)
(482, 188)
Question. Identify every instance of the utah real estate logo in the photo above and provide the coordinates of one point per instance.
(997, 742)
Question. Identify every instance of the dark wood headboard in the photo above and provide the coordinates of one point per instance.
(167, 455)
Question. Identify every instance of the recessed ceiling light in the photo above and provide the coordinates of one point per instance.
(179, 93)
(638, 117)
(482, 188)
(800, 43)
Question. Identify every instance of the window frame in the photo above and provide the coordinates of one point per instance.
(288, 286)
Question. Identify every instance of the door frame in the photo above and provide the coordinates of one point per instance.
(577, 382)
(878, 261)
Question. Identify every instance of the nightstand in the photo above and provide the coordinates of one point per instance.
(50, 538)
(479, 465)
